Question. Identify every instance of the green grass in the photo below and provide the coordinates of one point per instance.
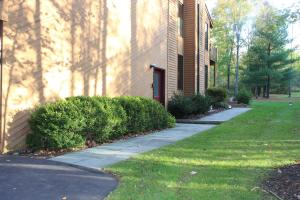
(231, 160)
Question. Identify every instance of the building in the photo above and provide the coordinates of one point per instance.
(53, 49)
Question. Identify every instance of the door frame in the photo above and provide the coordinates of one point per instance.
(163, 85)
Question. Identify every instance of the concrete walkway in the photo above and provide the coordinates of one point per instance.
(108, 154)
(217, 118)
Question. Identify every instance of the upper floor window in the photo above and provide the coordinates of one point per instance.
(180, 19)
(206, 36)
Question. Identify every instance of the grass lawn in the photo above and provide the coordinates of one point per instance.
(231, 160)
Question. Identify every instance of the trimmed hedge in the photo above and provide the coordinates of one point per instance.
(184, 106)
(56, 125)
(104, 117)
(145, 114)
(69, 123)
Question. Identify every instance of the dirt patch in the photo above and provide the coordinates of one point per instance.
(284, 183)
(238, 105)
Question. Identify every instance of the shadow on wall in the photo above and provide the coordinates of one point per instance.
(56, 49)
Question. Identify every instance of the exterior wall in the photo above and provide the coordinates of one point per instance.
(172, 48)
(55, 49)
(191, 45)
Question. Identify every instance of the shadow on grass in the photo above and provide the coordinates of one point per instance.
(230, 160)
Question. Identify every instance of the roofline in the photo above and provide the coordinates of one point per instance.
(209, 17)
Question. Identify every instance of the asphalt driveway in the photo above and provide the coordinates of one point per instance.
(39, 179)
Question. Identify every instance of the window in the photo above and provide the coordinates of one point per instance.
(206, 36)
(180, 73)
(180, 19)
(206, 77)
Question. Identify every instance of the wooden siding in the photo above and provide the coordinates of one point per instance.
(172, 48)
(189, 46)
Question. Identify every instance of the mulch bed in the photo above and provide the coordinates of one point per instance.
(284, 183)
(238, 105)
(206, 114)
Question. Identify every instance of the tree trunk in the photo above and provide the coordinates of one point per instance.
(236, 84)
(256, 92)
(265, 91)
(228, 68)
(269, 77)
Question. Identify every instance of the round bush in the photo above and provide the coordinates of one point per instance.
(201, 104)
(181, 106)
(244, 97)
(56, 125)
(156, 115)
(217, 95)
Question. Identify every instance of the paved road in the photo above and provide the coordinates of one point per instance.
(24, 178)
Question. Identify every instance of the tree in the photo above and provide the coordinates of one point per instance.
(226, 15)
(268, 57)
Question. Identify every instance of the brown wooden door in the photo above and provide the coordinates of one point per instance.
(159, 85)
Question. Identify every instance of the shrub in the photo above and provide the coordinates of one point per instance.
(217, 95)
(69, 123)
(56, 125)
(184, 106)
(221, 105)
(201, 104)
(157, 116)
(180, 106)
(243, 97)
(104, 117)
(136, 113)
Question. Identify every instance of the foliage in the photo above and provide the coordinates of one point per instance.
(227, 14)
(104, 117)
(201, 104)
(145, 114)
(229, 160)
(180, 106)
(69, 123)
(243, 97)
(184, 106)
(56, 125)
(267, 58)
(217, 95)
(222, 105)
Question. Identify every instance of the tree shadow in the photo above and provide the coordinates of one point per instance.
(55, 49)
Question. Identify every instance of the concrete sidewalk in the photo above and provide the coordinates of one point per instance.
(217, 118)
(108, 154)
